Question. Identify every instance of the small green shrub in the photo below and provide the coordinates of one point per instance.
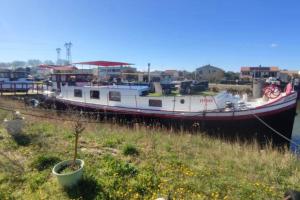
(168, 147)
(130, 150)
(115, 166)
(44, 162)
(112, 142)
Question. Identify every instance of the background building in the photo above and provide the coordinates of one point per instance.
(124, 72)
(259, 72)
(210, 73)
(169, 75)
(44, 71)
(13, 75)
(287, 75)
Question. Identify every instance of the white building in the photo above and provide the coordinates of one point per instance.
(106, 73)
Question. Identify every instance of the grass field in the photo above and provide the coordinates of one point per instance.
(140, 163)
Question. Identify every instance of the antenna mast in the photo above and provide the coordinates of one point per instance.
(68, 46)
(58, 56)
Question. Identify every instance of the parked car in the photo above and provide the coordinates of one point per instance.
(191, 87)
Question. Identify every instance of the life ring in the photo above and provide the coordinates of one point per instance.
(272, 91)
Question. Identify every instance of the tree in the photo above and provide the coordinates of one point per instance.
(33, 62)
(4, 65)
(18, 64)
(48, 62)
(62, 62)
(78, 129)
(231, 75)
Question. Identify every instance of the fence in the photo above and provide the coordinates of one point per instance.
(22, 88)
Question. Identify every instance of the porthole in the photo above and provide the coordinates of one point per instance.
(182, 101)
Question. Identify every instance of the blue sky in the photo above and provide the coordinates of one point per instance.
(170, 34)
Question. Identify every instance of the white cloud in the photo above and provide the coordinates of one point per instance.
(274, 45)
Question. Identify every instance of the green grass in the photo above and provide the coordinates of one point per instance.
(155, 94)
(206, 93)
(174, 165)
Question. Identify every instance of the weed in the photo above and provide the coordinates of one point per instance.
(130, 150)
(119, 167)
(35, 180)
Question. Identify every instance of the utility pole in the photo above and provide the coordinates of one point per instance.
(58, 56)
(67, 47)
(149, 73)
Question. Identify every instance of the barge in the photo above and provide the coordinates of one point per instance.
(223, 115)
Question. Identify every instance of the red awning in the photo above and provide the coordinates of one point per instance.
(103, 63)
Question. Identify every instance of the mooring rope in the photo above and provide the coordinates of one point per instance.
(275, 131)
(48, 117)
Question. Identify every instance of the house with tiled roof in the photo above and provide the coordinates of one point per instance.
(248, 72)
(209, 73)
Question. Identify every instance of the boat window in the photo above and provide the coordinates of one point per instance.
(114, 96)
(94, 94)
(182, 101)
(155, 103)
(77, 93)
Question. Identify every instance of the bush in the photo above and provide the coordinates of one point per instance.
(130, 150)
(44, 162)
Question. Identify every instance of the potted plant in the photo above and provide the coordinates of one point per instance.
(69, 172)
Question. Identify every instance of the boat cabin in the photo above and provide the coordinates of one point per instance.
(137, 97)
